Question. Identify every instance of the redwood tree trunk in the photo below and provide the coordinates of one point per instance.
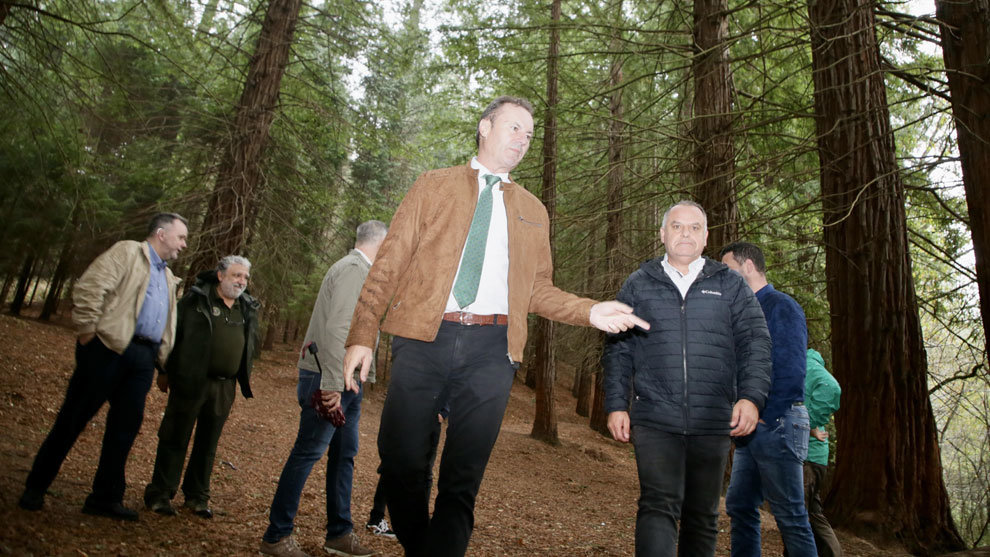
(713, 157)
(888, 477)
(613, 205)
(232, 205)
(23, 283)
(965, 36)
(545, 421)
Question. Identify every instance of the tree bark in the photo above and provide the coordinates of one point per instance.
(545, 421)
(613, 203)
(233, 204)
(23, 283)
(713, 157)
(965, 26)
(888, 477)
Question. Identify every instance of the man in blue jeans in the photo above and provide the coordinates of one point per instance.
(769, 463)
(320, 395)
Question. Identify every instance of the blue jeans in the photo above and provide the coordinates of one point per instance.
(315, 436)
(770, 467)
(680, 480)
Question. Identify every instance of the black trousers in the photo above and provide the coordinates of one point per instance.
(101, 375)
(466, 366)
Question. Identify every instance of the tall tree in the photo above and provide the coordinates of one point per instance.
(713, 156)
(232, 206)
(614, 198)
(545, 421)
(889, 481)
(965, 27)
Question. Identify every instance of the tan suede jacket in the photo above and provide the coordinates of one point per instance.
(108, 296)
(416, 265)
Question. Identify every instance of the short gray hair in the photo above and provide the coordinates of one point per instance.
(685, 203)
(229, 260)
(370, 232)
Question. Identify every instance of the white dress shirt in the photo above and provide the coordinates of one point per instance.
(493, 288)
(683, 280)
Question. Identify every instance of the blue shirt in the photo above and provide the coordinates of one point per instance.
(789, 333)
(154, 311)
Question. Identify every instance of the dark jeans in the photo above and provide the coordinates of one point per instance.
(101, 375)
(315, 436)
(769, 467)
(378, 504)
(825, 539)
(207, 411)
(680, 478)
(466, 366)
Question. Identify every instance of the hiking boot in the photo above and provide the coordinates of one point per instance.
(110, 510)
(381, 528)
(347, 545)
(285, 547)
(199, 508)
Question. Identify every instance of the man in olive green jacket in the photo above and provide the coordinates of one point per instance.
(215, 338)
(125, 321)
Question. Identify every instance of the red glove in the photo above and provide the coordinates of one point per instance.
(335, 416)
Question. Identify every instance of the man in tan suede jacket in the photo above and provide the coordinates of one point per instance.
(466, 260)
(124, 313)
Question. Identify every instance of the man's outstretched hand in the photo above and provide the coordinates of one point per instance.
(615, 317)
(356, 356)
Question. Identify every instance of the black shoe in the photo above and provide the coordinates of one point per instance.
(161, 507)
(31, 500)
(199, 509)
(109, 510)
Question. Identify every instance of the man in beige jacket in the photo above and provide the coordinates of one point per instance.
(124, 313)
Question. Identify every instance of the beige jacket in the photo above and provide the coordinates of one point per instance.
(107, 298)
(331, 319)
(415, 267)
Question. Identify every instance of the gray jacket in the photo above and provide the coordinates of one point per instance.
(331, 320)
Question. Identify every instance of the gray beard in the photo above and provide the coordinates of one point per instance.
(230, 291)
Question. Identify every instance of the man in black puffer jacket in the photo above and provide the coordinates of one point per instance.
(679, 391)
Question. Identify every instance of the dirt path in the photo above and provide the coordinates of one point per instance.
(576, 499)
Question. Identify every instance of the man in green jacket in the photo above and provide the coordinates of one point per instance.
(821, 397)
(215, 339)
(124, 314)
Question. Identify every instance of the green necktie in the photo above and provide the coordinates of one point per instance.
(466, 287)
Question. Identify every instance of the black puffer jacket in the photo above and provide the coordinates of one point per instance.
(702, 353)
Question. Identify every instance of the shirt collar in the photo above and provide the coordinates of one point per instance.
(156, 261)
(482, 170)
(693, 268)
(363, 255)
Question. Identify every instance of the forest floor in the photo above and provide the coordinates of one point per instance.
(578, 498)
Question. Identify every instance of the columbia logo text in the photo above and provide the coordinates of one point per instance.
(711, 292)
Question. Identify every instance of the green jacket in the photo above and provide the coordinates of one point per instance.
(331, 320)
(821, 398)
(189, 361)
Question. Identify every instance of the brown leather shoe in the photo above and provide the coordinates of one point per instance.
(285, 547)
(347, 545)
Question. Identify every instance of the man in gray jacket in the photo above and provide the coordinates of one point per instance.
(124, 314)
(322, 394)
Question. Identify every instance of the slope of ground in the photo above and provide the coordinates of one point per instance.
(575, 499)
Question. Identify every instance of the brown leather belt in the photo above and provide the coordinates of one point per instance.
(465, 318)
